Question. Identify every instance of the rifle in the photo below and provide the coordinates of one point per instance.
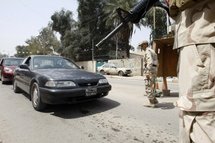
(134, 15)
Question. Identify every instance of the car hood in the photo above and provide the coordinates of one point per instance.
(68, 74)
(11, 67)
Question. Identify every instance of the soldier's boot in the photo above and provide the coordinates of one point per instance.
(155, 101)
(152, 103)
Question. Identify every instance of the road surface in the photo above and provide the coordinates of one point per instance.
(118, 118)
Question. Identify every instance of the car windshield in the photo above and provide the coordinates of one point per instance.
(107, 65)
(53, 62)
(12, 62)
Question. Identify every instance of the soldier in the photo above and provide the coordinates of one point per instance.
(195, 40)
(150, 72)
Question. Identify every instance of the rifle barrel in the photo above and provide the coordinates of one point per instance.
(110, 34)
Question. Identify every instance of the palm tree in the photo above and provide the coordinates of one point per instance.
(156, 20)
(124, 35)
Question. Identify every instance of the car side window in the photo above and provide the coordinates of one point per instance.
(106, 66)
(6, 62)
(37, 62)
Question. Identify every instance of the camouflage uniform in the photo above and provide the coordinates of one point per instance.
(195, 38)
(150, 72)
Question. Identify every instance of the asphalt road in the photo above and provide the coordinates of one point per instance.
(118, 118)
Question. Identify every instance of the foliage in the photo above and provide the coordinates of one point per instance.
(45, 43)
(96, 18)
(64, 23)
(92, 29)
(160, 22)
(125, 34)
(3, 55)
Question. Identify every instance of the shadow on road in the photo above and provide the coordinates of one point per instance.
(79, 110)
(165, 105)
(172, 94)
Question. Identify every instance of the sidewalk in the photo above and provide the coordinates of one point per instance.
(160, 79)
(172, 84)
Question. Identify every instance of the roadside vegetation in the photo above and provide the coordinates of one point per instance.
(75, 38)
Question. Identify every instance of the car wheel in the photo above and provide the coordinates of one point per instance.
(120, 73)
(102, 72)
(16, 89)
(36, 97)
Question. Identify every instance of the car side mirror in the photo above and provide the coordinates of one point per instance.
(24, 66)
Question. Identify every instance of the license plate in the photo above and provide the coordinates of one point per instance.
(91, 91)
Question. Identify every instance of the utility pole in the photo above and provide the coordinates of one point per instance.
(154, 10)
(93, 65)
(92, 49)
(117, 46)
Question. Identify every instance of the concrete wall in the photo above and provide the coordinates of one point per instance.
(88, 65)
(134, 64)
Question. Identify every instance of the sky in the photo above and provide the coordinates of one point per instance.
(22, 19)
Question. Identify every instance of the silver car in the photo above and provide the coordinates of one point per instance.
(112, 69)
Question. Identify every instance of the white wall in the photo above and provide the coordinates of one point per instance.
(88, 65)
(134, 64)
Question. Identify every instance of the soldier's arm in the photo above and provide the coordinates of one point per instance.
(149, 60)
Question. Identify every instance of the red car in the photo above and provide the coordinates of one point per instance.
(7, 67)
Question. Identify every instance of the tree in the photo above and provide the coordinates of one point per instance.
(156, 20)
(3, 55)
(44, 43)
(48, 40)
(92, 29)
(125, 34)
(22, 51)
(64, 23)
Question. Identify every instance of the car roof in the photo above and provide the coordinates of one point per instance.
(12, 58)
(109, 64)
(45, 56)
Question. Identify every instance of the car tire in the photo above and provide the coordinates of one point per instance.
(102, 72)
(120, 73)
(36, 97)
(16, 89)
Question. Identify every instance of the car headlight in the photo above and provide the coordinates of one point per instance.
(8, 70)
(52, 83)
(103, 81)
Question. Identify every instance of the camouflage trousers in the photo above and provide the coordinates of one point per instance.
(150, 81)
(196, 127)
(197, 78)
(196, 94)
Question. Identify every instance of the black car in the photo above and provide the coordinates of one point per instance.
(57, 80)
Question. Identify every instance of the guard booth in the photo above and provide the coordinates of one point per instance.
(168, 60)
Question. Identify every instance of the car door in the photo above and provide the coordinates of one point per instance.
(107, 68)
(113, 69)
(23, 75)
(28, 74)
(19, 76)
